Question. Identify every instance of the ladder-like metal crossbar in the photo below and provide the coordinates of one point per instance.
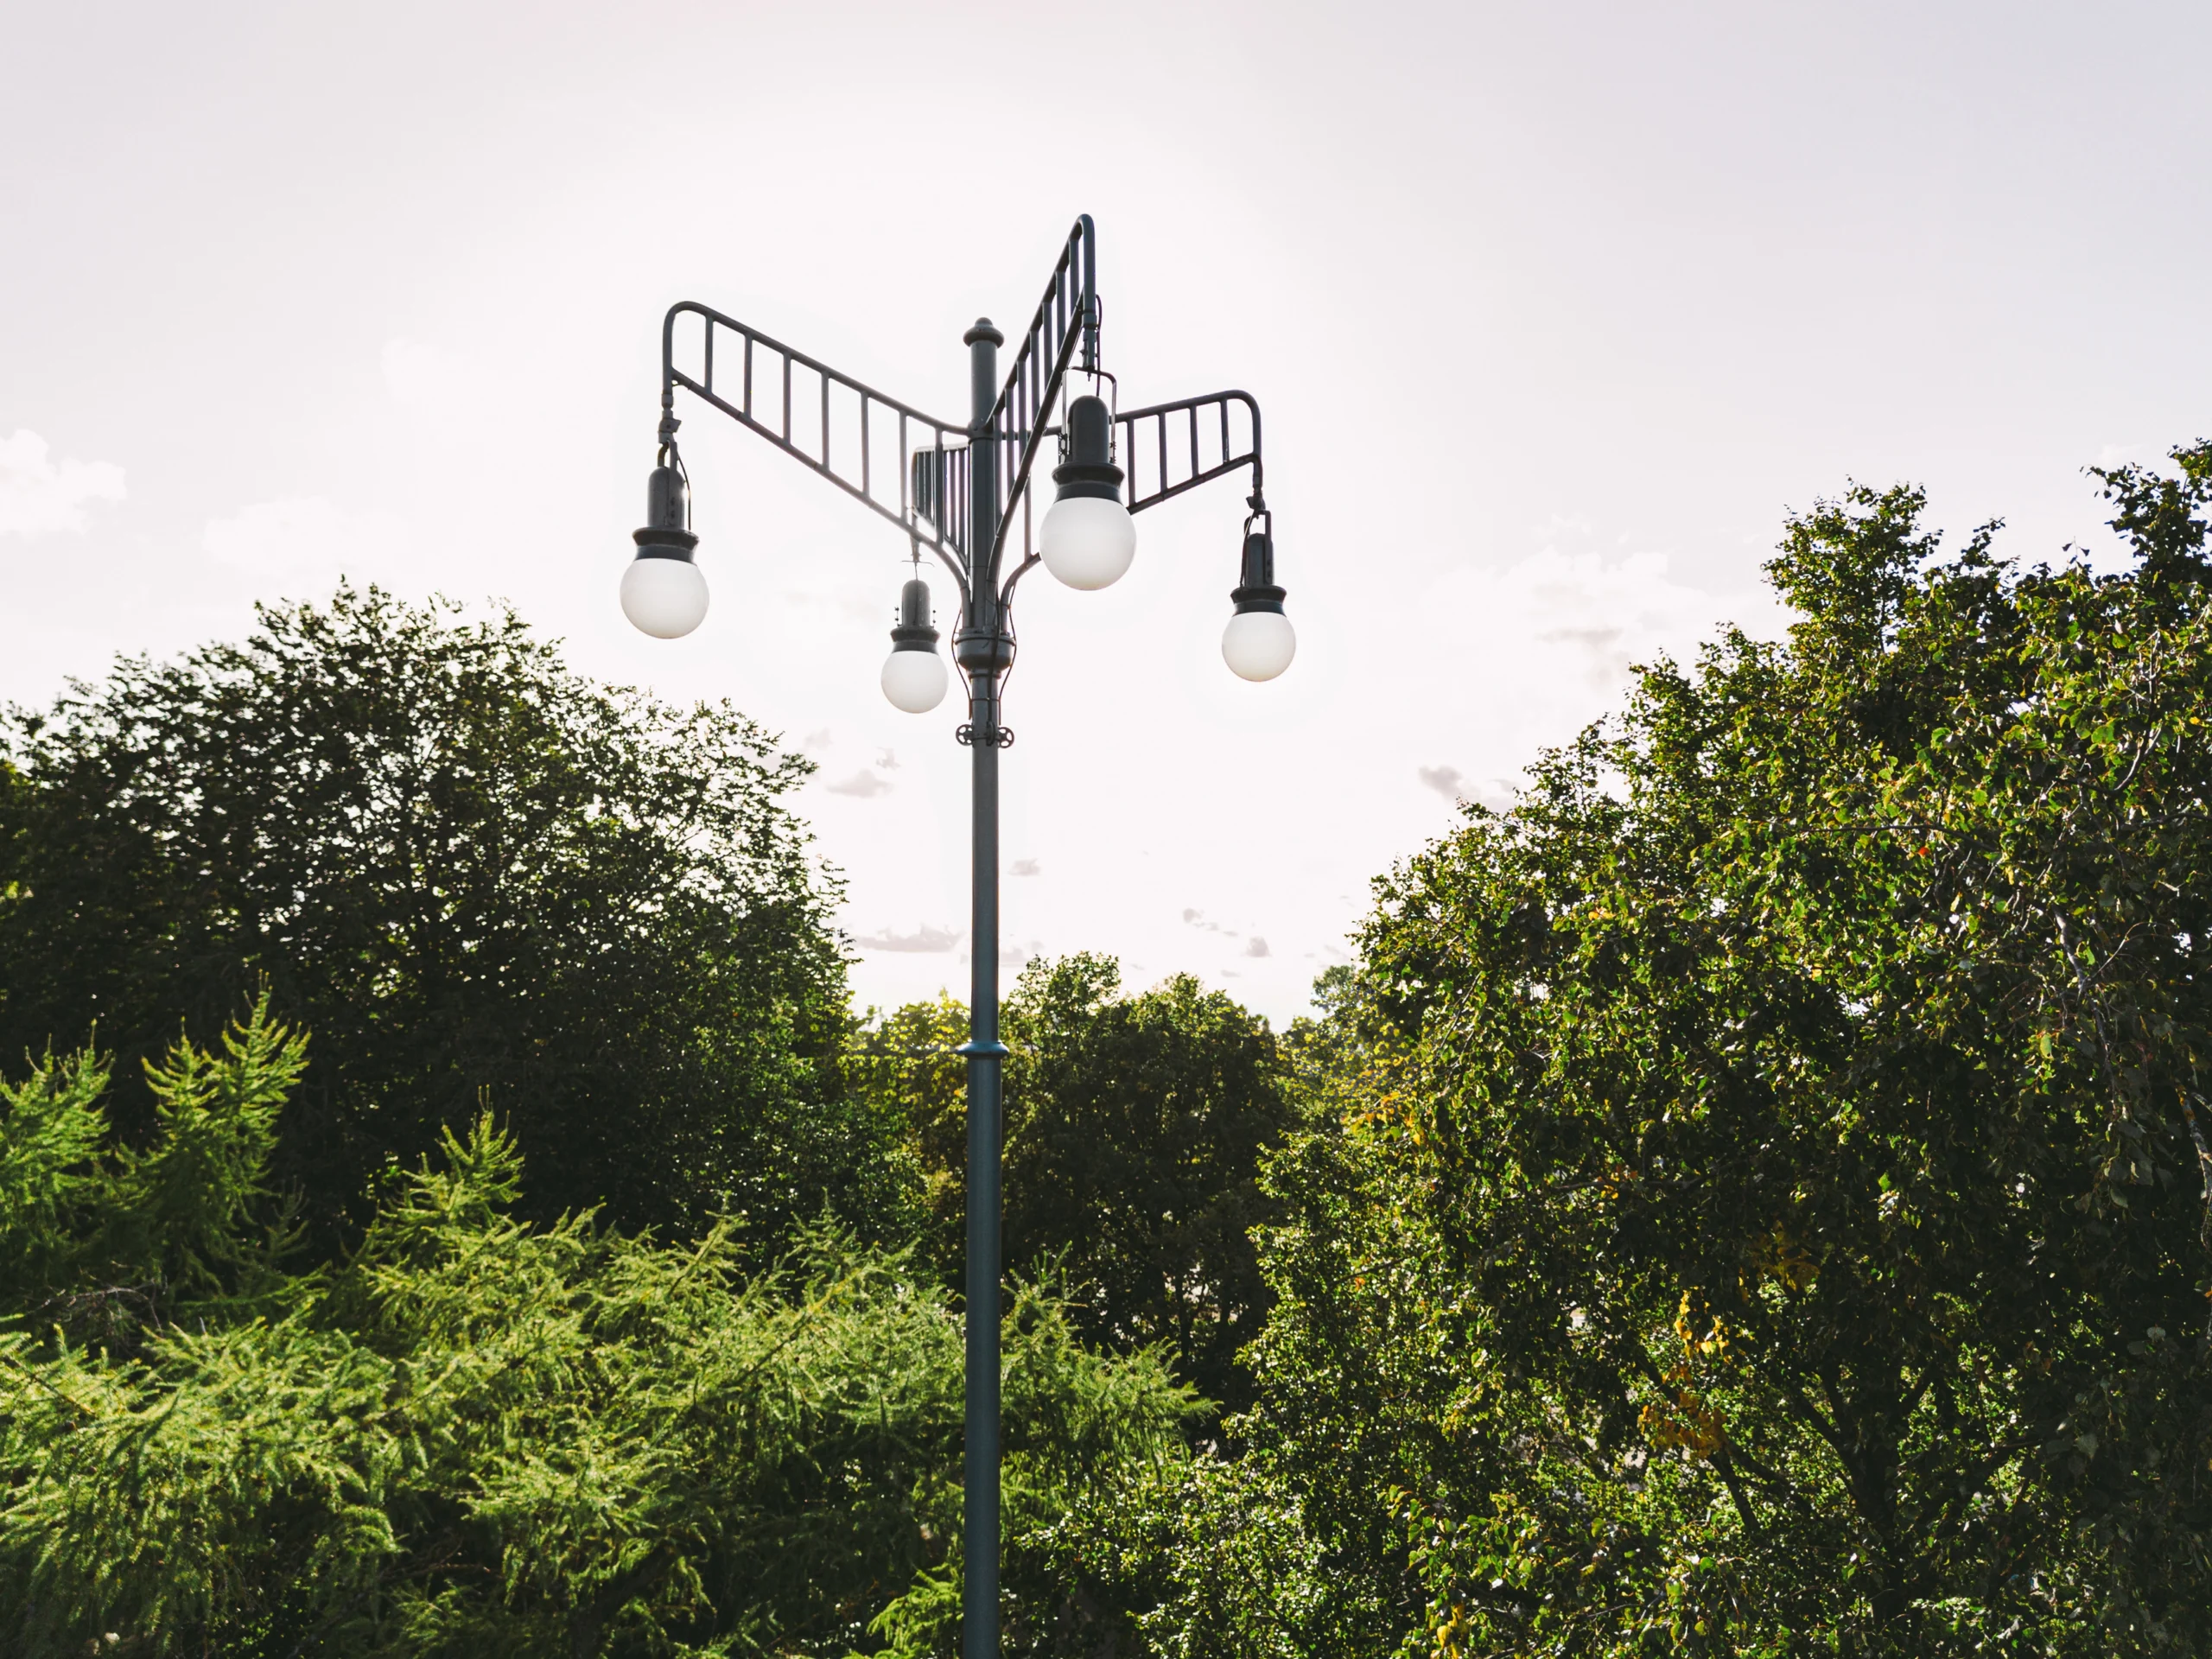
(773, 397)
(1066, 320)
(1189, 443)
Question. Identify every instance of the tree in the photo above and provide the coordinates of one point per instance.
(479, 1436)
(478, 879)
(1785, 1191)
(1134, 1128)
(908, 1066)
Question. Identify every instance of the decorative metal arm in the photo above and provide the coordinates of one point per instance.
(1199, 414)
(768, 402)
(795, 401)
(1066, 317)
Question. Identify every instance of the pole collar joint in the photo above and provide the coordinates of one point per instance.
(986, 651)
(992, 1050)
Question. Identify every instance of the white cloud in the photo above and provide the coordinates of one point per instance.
(1026, 867)
(1601, 616)
(925, 939)
(1498, 795)
(1515, 659)
(305, 542)
(1452, 784)
(1549, 641)
(1445, 780)
(1257, 947)
(39, 495)
(864, 784)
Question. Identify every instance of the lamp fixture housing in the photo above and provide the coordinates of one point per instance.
(1088, 537)
(663, 593)
(1259, 641)
(914, 675)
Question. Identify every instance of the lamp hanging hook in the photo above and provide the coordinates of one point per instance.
(667, 455)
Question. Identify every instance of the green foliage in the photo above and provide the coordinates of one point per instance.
(906, 1065)
(1202, 1556)
(1752, 1197)
(479, 879)
(1355, 1370)
(1766, 1209)
(479, 1436)
(1134, 1127)
(103, 1242)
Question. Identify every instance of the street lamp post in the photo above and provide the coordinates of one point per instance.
(962, 491)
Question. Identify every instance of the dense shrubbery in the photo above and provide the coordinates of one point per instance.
(1750, 1198)
(476, 1436)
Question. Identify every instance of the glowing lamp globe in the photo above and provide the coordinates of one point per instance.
(914, 680)
(1087, 542)
(664, 597)
(1258, 645)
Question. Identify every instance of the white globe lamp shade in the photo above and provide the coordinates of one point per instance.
(1258, 645)
(914, 680)
(664, 597)
(1087, 541)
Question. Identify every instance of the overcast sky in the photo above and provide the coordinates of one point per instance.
(1555, 312)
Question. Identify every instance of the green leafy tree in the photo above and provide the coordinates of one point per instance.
(1134, 1128)
(479, 879)
(1357, 1370)
(1201, 1556)
(907, 1065)
(478, 1436)
(1768, 1214)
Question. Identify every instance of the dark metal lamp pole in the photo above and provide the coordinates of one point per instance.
(960, 491)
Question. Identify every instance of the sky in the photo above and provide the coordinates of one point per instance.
(1555, 312)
